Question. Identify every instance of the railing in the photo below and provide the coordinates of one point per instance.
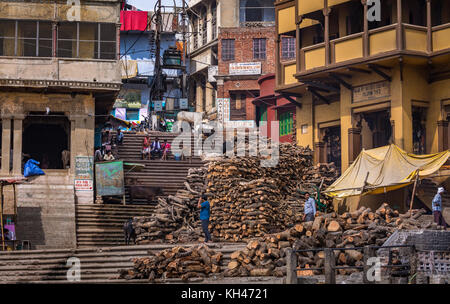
(310, 57)
(343, 49)
(329, 268)
(285, 66)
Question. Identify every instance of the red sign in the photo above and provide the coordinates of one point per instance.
(83, 185)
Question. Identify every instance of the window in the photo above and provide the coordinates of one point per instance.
(204, 27)
(254, 11)
(259, 48)
(214, 20)
(286, 124)
(227, 49)
(26, 38)
(195, 30)
(132, 114)
(288, 48)
(86, 40)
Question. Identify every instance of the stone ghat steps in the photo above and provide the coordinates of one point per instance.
(102, 225)
(97, 264)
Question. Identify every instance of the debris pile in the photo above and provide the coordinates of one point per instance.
(178, 262)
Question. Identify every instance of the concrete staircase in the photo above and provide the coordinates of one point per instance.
(97, 265)
(169, 174)
(102, 225)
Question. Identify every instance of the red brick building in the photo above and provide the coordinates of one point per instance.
(245, 53)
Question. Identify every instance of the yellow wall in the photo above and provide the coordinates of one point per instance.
(382, 42)
(438, 91)
(289, 71)
(304, 116)
(441, 39)
(348, 49)
(286, 20)
(415, 40)
(308, 6)
(315, 58)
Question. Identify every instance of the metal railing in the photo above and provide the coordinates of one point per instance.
(329, 268)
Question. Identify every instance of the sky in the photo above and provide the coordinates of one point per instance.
(148, 5)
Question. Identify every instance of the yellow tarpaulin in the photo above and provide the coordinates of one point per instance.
(389, 168)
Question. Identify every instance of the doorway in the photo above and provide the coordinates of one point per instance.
(45, 137)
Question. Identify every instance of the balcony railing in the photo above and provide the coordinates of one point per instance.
(379, 42)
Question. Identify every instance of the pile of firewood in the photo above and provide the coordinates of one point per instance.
(249, 200)
(178, 262)
(176, 217)
(266, 256)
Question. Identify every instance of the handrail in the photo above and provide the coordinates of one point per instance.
(345, 38)
(384, 28)
(313, 47)
(415, 27)
(440, 27)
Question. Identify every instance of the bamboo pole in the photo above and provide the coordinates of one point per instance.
(413, 193)
(363, 187)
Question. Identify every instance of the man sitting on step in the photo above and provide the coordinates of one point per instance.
(156, 149)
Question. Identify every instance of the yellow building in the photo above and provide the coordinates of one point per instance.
(364, 84)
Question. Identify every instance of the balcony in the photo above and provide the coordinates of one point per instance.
(381, 42)
(79, 74)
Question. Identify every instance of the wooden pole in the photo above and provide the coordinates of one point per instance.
(363, 187)
(413, 193)
(1, 217)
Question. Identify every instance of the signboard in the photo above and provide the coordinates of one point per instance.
(240, 124)
(158, 105)
(109, 178)
(129, 98)
(245, 68)
(213, 70)
(371, 91)
(223, 109)
(84, 167)
(184, 104)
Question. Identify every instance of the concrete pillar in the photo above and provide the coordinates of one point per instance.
(17, 146)
(6, 146)
(354, 144)
(442, 135)
(320, 155)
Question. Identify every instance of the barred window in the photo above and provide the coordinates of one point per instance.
(25, 38)
(86, 40)
(195, 30)
(227, 49)
(204, 27)
(259, 48)
(214, 20)
(288, 48)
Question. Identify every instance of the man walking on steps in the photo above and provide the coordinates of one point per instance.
(437, 208)
(204, 216)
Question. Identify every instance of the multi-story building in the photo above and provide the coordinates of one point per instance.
(59, 76)
(231, 47)
(360, 84)
(138, 52)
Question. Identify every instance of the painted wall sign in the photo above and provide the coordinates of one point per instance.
(223, 109)
(245, 68)
(184, 104)
(84, 167)
(158, 105)
(109, 179)
(371, 91)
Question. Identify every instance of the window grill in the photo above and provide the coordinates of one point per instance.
(227, 49)
(259, 48)
(288, 48)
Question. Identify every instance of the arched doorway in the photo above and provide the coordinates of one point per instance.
(44, 139)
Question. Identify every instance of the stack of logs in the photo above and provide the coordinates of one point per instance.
(266, 256)
(178, 262)
(249, 200)
(176, 217)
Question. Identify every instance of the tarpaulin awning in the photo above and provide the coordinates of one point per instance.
(389, 168)
(129, 68)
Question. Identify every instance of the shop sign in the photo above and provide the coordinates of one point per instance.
(372, 91)
(223, 109)
(84, 167)
(245, 68)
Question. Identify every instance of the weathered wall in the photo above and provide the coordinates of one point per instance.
(96, 11)
(46, 212)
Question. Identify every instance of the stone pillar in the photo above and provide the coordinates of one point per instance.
(442, 135)
(6, 146)
(354, 144)
(320, 155)
(17, 146)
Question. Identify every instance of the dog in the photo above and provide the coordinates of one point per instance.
(130, 233)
